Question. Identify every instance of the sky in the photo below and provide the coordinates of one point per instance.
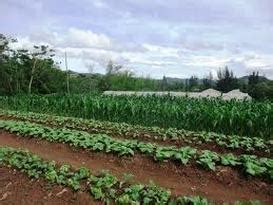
(175, 38)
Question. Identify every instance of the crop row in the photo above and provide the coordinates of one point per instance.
(233, 117)
(250, 164)
(122, 129)
(104, 187)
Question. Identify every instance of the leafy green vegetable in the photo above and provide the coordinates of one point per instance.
(104, 143)
(230, 141)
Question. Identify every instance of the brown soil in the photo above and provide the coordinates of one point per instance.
(223, 185)
(149, 137)
(17, 189)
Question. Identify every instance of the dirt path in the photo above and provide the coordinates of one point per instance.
(16, 188)
(224, 185)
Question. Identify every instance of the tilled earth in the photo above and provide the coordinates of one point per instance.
(224, 185)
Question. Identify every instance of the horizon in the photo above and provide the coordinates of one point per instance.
(215, 78)
(173, 39)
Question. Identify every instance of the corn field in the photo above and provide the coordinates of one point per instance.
(234, 117)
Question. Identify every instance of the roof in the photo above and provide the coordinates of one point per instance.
(209, 93)
(236, 94)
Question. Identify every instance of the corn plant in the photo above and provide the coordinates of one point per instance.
(248, 144)
(245, 118)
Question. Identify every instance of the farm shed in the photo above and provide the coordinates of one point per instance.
(236, 94)
(211, 93)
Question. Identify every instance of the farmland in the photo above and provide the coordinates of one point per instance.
(238, 118)
(94, 149)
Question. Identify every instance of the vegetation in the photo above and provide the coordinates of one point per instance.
(233, 118)
(227, 81)
(24, 71)
(34, 71)
(248, 144)
(104, 187)
(259, 88)
(234, 137)
(250, 164)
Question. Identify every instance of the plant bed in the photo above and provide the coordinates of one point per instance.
(219, 186)
(250, 164)
(174, 137)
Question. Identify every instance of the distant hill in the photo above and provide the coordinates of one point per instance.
(77, 74)
(183, 80)
(244, 79)
(175, 80)
(170, 80)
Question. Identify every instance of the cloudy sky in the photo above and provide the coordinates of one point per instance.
(176, 38)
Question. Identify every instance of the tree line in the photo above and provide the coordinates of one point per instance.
(28, 71)
(34, 71)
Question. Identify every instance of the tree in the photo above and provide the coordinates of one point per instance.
(164, 83)
(259, 87)
(112, 69)
(226, 80)
(103, 84)
(262, 90)
(6, 64)
(38, 57)
(208, 81)
(253, 79)
(193, 82)
(3, 47)
(176, 86)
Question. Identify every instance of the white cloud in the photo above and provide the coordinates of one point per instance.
(86, 38)
(99, 4)
(86, 47)
(162, 50)
(260, 61)
(73, 37)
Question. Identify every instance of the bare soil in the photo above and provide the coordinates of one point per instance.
(225, 184)
(17, 189)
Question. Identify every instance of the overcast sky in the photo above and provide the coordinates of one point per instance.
(176, 38)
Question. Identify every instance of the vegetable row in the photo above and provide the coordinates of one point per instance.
(250, 164)
(248, 144)
(104, 187)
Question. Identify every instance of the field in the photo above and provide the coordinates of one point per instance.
(93, 149)
(235, 118)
